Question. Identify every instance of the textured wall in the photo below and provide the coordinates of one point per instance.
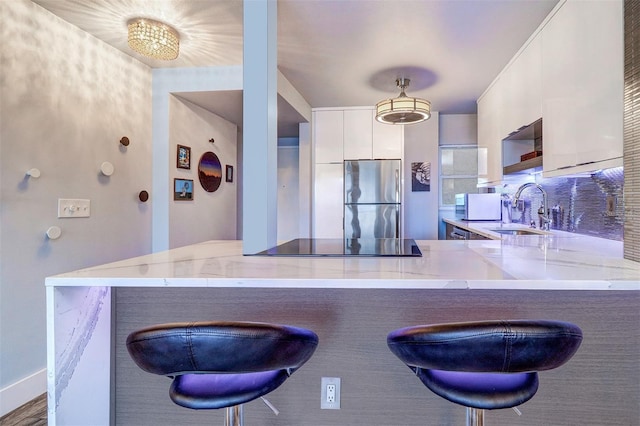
(584, 205)
(599, 386)
(632, 129)
(66, 100)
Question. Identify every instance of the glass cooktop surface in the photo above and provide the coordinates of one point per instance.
(394, 247)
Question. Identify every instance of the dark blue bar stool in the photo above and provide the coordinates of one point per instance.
(485, 365)
(221, 364)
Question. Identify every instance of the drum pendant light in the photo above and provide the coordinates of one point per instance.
(403, 109)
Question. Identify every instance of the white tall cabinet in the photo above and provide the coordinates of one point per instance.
(345, 134)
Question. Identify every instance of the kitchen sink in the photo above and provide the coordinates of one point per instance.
(518, 231)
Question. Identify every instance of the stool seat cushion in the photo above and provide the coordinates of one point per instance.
(221, 364)
(487, 391)
(486, 364)
(487, 346)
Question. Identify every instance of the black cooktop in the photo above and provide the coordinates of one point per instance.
(377, 247)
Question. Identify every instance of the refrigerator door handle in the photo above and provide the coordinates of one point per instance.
(398, 201)
(397, 186)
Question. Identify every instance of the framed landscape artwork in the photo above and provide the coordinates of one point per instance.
(210, 172)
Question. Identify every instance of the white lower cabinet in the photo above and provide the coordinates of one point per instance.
(328, 190)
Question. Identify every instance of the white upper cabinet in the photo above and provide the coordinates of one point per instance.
(521, 85)
(358, 134)
(387, 140)
(583, 87)
(489, 136)
(328, 127)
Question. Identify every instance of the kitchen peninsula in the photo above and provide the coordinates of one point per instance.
(351, 303)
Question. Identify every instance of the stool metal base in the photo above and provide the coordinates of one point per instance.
(475, 417)
(235, 416)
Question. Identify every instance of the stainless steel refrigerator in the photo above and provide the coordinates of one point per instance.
(372, 199)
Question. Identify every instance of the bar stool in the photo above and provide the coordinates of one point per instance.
(221, 364)
(485, 365)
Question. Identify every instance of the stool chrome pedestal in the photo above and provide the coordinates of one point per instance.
(485, 365)
(221, 364)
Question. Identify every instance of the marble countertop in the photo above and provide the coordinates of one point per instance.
(552, 261)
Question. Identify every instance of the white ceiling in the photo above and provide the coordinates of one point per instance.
(337, 52)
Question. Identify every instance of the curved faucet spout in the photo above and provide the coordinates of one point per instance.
(544, 215)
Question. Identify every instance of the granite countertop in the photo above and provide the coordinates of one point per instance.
(553, 261)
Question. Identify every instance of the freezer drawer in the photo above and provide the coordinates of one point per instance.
(371, 220)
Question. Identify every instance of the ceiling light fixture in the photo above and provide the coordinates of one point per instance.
(153, 39)
(403, 109)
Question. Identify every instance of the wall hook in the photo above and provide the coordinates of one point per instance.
(53, 233)
(34, 173)
(143, 196)
(124, 141)
(107, 168)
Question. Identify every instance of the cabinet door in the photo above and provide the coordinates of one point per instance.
(583, 84)
(327, 201)
(521, 85)
(328, 136)
(489, 138)
(358, 134)
(387, 140)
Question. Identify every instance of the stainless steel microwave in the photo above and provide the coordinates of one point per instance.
(478, 206)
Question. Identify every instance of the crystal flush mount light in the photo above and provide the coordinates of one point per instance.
(403, 109)
(153, 39)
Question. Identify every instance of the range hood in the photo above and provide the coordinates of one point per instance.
(532, 134)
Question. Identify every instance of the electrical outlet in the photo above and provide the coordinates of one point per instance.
(330, 393)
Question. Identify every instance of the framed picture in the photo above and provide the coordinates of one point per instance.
(229, 173)
(184, 157)
(183, 189)
(210, 172)
(420, 176)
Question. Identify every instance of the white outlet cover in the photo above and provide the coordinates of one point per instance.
(324, 403)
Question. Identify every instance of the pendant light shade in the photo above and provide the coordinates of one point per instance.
(153, 39)
(403, 109)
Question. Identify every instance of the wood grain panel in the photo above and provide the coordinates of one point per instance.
(599, 386)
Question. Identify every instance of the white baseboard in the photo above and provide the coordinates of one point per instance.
(22, 391)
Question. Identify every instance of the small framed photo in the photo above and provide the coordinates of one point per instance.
(183, 157)
(183, 189)
(229, 173)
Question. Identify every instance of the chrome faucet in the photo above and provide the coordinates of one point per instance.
(543, 212)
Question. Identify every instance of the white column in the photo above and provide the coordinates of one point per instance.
(260, 120)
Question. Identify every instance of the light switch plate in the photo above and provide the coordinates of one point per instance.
(73, 207)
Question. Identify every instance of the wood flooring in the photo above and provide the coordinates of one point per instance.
(33, 413)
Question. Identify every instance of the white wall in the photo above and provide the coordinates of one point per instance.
(458, 129)
(66, 100)
(288, 193)
(211, 215)
(421, 208)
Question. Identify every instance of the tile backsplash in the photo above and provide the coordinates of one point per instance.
(589, 205)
